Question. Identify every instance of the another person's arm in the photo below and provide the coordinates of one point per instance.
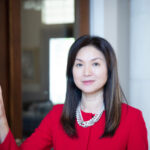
(4, 128)
(41, 139)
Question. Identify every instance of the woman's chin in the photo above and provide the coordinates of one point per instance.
(91, 91)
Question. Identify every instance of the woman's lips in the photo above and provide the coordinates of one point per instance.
(88, 82)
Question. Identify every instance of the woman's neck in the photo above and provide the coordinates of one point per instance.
(92, 103)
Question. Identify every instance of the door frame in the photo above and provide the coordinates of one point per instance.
(10, 56)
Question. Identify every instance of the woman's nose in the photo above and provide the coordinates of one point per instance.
(87, 70)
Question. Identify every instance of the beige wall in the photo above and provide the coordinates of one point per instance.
(113, 20)
(126, 25)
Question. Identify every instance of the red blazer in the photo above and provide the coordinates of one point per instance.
(130, 135)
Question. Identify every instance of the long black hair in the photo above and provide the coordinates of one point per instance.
(113, 94)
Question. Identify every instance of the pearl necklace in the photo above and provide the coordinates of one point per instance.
(90, 122)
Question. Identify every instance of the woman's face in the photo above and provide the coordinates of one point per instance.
(90, 70)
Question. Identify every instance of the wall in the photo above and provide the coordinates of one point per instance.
(126, 25)
(140, 57)
(110, 19)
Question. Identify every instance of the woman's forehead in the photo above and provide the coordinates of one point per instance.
(89, 52)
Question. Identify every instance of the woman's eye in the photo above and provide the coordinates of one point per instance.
(78, 65)
(96, 64)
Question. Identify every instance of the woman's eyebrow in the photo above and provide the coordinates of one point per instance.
(79, 59)
(97, 58)
(93, 59)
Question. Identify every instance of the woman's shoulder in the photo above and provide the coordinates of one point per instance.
(54, 114)
(127, 107)
(56, 110)
(132, 117)
(130, 111)
(132, 122)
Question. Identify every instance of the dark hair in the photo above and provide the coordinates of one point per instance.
(113, 95)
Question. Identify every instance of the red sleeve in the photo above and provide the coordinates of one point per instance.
(138, 134)
(9, 143)
(41, 139)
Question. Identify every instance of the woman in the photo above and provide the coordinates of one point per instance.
(94, 116)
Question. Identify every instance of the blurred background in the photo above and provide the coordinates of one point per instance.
(35, 38)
